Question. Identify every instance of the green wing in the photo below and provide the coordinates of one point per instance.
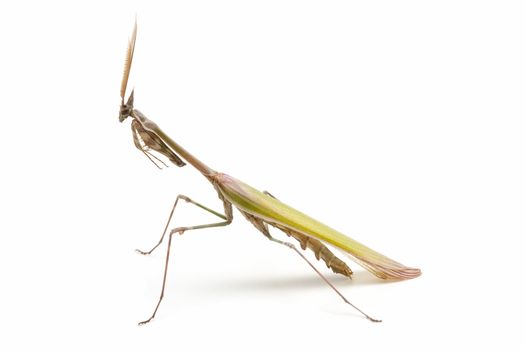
(272, 210)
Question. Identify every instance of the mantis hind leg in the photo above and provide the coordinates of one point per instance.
(320, 250)
(263, 227)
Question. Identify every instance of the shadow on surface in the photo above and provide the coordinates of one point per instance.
(257, 283)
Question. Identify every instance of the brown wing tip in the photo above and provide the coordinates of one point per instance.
(386, 268)
(405, 274)
(396, 273)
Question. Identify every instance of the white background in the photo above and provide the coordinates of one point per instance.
(400, 123)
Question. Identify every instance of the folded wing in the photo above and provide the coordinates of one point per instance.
(272, 210)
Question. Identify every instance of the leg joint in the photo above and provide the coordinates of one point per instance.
(179, 230)
(184, 198)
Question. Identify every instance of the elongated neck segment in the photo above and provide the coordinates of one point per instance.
(184, 154)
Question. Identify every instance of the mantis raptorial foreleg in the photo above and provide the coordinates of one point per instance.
(263, 227)
(319, 249)
(142, 147)
(227, 217)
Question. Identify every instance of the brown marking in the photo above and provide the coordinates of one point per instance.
(320, 250)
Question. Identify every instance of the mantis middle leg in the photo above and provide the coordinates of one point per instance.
(227, 217)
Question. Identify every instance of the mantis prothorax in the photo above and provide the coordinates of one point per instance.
(260, 208)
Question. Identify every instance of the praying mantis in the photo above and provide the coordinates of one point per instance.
(260, 208)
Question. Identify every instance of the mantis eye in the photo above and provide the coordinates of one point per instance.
(123, 113)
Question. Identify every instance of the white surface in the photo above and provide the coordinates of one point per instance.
(398, 123)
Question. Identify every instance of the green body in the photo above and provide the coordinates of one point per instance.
(271, 210)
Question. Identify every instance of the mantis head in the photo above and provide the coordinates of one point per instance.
(126, 108)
